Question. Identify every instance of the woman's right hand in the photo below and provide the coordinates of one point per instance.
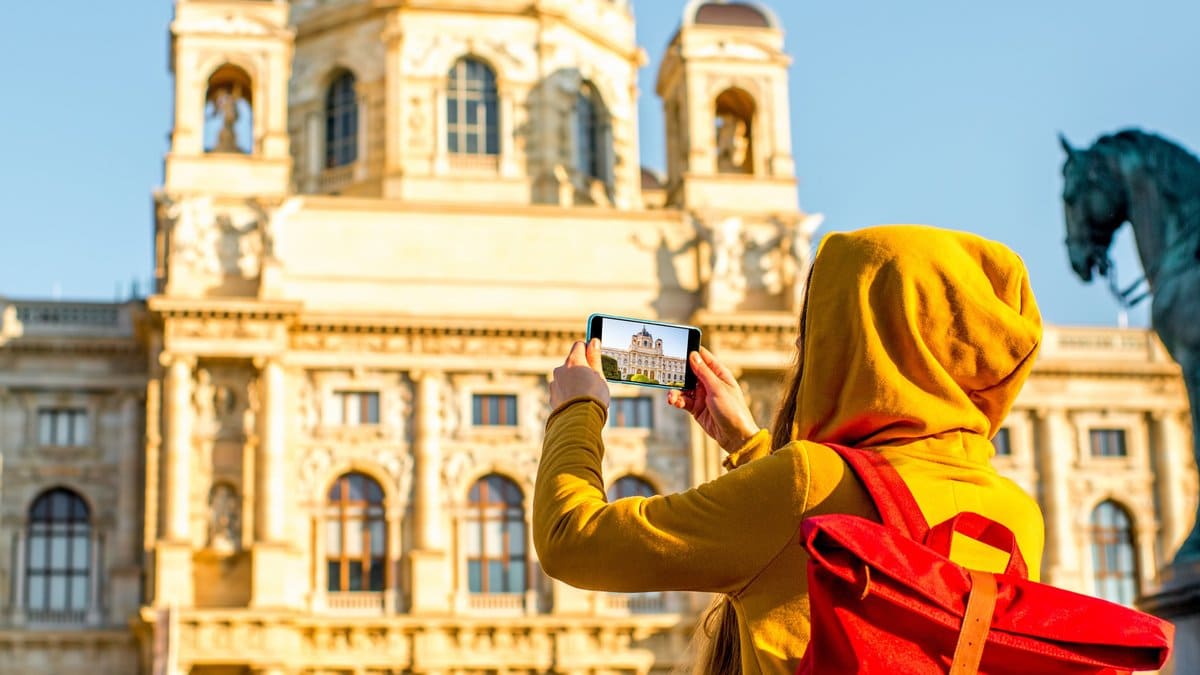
(717, 403)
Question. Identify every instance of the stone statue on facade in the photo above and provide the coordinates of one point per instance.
(733, 144)
(204, 404)
(1154, 185)
(191, 234)
(726, 285)
(224, 521)
(225, 106)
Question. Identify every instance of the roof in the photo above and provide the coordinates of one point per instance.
(728, 13)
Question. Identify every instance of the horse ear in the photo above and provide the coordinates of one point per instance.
(1066, 145)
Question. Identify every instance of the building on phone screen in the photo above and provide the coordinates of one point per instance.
(645, 358)
(311, 449)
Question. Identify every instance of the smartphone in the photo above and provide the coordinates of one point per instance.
(643, 352)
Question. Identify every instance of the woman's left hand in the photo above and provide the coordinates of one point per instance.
(581, 375)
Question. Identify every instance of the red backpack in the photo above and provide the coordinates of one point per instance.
(885, 598)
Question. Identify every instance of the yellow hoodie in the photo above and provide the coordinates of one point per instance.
(917, 343)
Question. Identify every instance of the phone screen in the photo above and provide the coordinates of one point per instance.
(647, 353)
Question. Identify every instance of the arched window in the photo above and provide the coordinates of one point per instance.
(495, 537)
(58, 561)
(590, 134)
(472, 109)
(229, 111)
(1113, 554)
(341, 122)
(355, 535)
(630, 486)
(734, 121)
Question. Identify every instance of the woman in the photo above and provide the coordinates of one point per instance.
(914, 343)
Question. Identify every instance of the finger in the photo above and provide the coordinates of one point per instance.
(719, 370)
(593, 355)
(577, 355)
(704, 374)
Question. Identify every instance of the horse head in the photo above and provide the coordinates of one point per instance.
(1096, 204)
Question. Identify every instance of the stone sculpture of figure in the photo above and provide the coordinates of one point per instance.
(250, 416)
(204, 404)
(733, 144)
(727, 246)
(224, 520)
(192, 234)
(225, 106)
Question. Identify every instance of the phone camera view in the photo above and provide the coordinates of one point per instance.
(632, 351)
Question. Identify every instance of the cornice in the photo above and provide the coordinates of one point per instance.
(166, 307)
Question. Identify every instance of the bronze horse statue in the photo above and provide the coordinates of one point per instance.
(1154, 185)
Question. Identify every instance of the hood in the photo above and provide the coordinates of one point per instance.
(914, 333)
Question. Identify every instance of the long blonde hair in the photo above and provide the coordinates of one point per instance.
(716, 640)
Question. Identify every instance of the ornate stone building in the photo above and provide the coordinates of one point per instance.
(645, 357)
(311, 450)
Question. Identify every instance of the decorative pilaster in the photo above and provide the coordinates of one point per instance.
(1056, 453)
(1171, 443)
(18, 577)
(95, 579)
(429, 566)
(270, 523)
(271, 560)
(427, 446)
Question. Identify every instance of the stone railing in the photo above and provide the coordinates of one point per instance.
(1082, 343)
(635, 603)
(496, 602)
(332, 180)
(632, 643)
(56, 618)
(368, 603)
(20, 318)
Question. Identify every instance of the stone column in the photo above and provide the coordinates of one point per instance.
(1171, 444)
(178, 449)
(173, 582)
(430, 571)
(270, 464)
(1056, 454)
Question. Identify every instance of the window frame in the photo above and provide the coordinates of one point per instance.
(640, 404)
(509, 512)
(340, 399)
(45, 522)
(79, 425)
(1110, 542)
(1004, 448)
(590, 127)
(341, 114)
(340, 510)
(1100, 440)
(480, 411)
(472, 90)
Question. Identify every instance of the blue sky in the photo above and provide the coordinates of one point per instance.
(935, 111)
(618, 334)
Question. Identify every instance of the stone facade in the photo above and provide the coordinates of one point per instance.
(289, 459)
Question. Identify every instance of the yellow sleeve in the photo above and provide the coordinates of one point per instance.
(714, 538)
(755, 447)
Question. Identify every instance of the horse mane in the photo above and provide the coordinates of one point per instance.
(1176, 170)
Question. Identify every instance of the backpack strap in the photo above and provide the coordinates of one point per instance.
(892, 498)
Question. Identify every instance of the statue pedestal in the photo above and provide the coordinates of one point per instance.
(1178, 600)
